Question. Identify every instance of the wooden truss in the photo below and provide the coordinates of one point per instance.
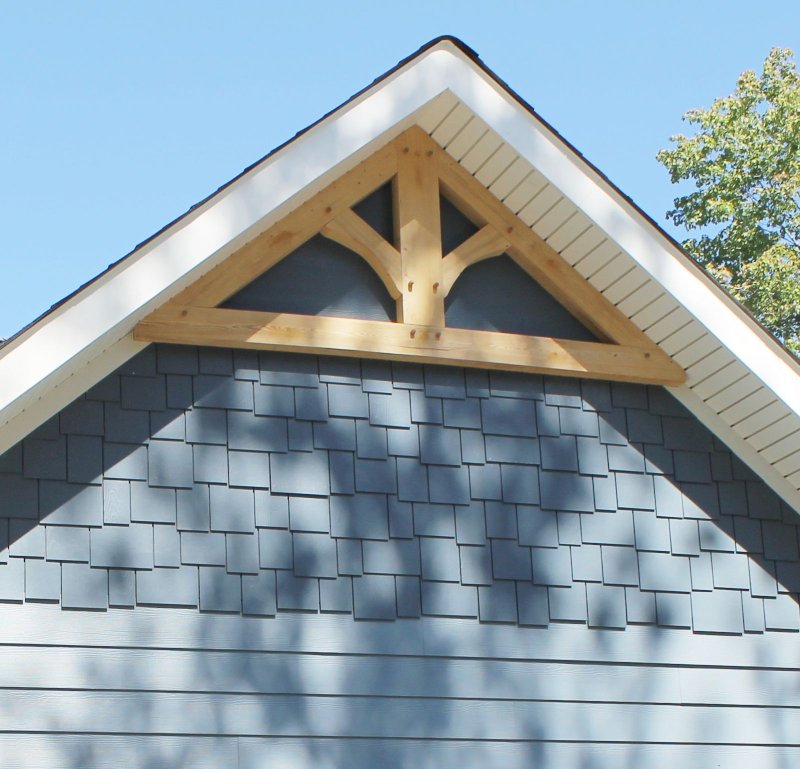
(418, 276)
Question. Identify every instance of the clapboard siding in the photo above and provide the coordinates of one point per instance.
(392, 717)
(129, 751)
(164, 628)
(197, 752)
(173, 670)
(478, 755)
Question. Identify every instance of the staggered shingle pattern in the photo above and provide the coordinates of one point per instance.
(236, 482)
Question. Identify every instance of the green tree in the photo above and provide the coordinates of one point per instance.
(744, 161)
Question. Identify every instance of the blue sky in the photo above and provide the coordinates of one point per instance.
(117, 117)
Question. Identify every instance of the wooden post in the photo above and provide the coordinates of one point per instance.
(418, 228)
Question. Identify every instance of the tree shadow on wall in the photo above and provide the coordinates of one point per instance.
(468, 609)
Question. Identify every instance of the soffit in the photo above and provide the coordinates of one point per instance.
(727, 395)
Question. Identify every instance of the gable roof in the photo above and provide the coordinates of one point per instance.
(741, 382)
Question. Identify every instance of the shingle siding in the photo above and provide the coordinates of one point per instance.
(540, 481)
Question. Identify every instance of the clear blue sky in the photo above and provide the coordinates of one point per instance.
(117, 117)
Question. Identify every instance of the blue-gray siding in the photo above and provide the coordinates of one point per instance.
(319, 278)
(498, 295)
(317, 551)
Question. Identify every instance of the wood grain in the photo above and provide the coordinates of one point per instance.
(351, 231)
(375, 339)
(484, 244)
(418, 228)
(268, 248)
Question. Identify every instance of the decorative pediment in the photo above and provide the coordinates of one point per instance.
(418, 276)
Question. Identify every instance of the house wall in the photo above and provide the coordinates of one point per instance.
(319, 278)
(498, 295)
(226, 559)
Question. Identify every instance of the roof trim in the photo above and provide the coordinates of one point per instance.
(94, 323)
(178, 219)
(38, 359)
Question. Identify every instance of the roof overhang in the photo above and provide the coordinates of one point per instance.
(741, 382)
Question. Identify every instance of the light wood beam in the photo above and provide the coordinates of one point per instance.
(351, 231)
(418, 228)
(269, 247)
(533, 254)
(484, 244)
(418, 277)
(416, 343)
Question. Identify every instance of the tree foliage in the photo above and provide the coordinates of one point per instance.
(744, 161)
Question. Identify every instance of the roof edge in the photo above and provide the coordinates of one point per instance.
(442, 39)
(204, 234)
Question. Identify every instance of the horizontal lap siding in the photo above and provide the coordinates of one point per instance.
(282, 673)
(164, 628)
(391, 718)
(411, 690)
(123, 751)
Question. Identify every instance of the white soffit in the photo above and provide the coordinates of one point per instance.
(741, 383)
(647, 277)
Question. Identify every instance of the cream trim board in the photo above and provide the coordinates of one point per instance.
(95, 367)
(738, 445)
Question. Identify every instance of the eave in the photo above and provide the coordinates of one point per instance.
(740, 381)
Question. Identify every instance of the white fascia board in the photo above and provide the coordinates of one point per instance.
(738, 445)
(92, 321)
(623, 224)
(36, 411)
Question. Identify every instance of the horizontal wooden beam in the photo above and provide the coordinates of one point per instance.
(484, 244)
(419, 344)
(351, 231)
